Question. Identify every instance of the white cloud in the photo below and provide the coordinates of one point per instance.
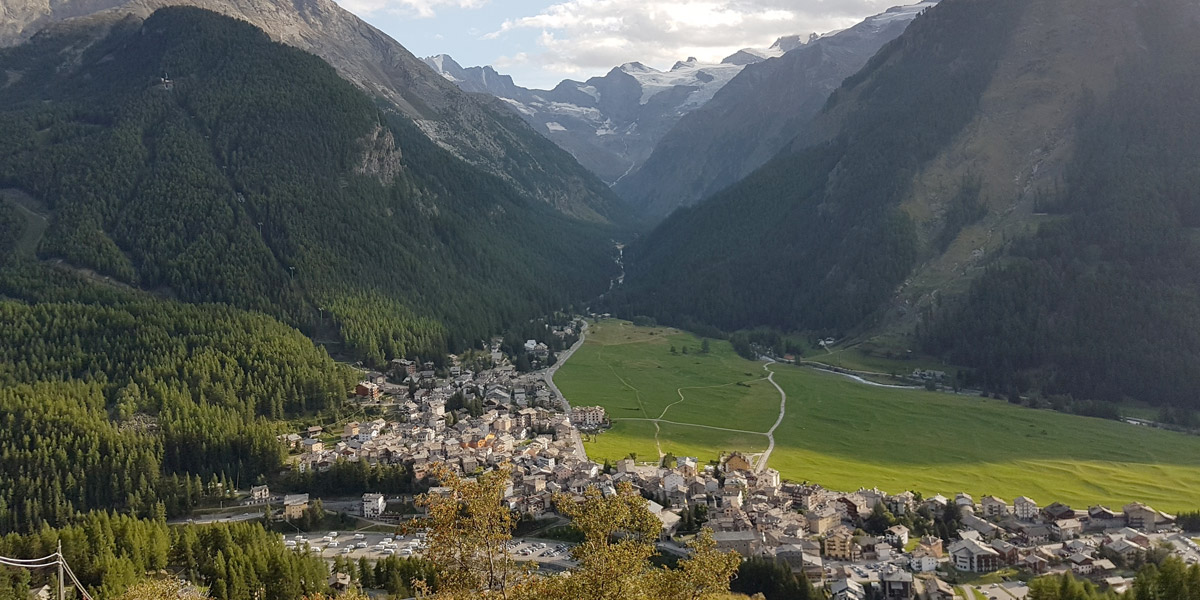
(423, 9)
(518, 59)
(586, 35)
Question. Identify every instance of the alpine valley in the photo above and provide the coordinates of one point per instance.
(289, 313)
(989, 189)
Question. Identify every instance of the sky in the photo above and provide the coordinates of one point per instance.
(541, 42)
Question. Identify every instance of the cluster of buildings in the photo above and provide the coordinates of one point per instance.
(818, 532)
(518, 420)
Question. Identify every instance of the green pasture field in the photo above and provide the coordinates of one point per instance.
(845, 435)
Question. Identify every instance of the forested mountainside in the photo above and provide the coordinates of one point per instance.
(486, 135)
(1103, 301)
(114, 399)
(815, 239)
(976, 148)
(257, 177)
(752, 118)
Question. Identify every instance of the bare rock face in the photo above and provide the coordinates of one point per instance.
(469, 128)
(381, 157)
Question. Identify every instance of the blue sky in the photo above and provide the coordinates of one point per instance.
(541, 42)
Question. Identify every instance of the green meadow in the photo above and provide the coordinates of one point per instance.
(845, 435)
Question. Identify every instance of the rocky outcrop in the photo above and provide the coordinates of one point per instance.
(381, 159)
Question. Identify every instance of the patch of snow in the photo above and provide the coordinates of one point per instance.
(896, 13)
(573, 110)
(554, 126)
(706, 78)
(521, 108)
(590, 90)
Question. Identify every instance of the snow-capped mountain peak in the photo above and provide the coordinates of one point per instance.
(611, 123)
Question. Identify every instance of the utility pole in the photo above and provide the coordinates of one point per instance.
(62, 588)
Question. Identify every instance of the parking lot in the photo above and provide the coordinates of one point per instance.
(548, 553)
(357, 545)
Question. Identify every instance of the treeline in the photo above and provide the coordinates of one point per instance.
(110, 552)
(1172, 580)
(815, 240)
(393, 574)
(1103, 304)
(749, 344)
(214, 355)
(353, 478)
(260, 178)
(62, 454)
(774, 580)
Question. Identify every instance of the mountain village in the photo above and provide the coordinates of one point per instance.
(522, 422)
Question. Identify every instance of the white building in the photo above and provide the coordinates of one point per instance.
(587, 416)
(1025, 508)
(373, 505)
(260, 493)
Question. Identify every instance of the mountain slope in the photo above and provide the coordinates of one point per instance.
(611, 123)
(480, 134)
(260, 178)
(1102, 302)
(754, 117)
(815, 239)
(1009, 184)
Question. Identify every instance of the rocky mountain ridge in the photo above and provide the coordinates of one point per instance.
(754, 117)
(476, 131)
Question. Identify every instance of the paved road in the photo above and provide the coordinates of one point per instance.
(256, 513)
(762, 461)
(549, 376)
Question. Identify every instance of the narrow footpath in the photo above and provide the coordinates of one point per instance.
(548, 374)
(762, 461)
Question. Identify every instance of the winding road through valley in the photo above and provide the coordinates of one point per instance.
(762, 461)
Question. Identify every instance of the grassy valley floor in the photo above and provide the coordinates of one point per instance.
(846, 435)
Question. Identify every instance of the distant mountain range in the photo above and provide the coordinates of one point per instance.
(750, 120)
(611, 124)
(669, 139)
